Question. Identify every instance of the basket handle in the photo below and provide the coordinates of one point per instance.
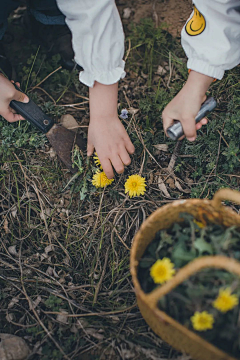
(218, 262)
(225, 194)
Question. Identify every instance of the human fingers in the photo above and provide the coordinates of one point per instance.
(107, 167)
(124, 156)
(167, 122)
(129, 145)
(10, 116)
(19, 96)
(189, 128)
(17, 83)
(204, 121)
(90, 148)
(117, 164)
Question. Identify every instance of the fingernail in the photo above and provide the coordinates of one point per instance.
(25, 100)
(191, 139)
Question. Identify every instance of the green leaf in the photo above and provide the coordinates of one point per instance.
(202, 246)
(181, 255)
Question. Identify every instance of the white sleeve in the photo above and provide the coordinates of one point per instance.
(211, 37)
(98, 39)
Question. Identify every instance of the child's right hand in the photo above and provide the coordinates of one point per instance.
(109, 138)
(106, 133)
(7, 94)
(186, 104)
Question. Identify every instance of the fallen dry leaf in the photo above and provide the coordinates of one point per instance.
(126, 13)
(92, 332)
(49, 248)
(14, 211)
(62, 318)
(162, 147)
(5, 226)
(12, 250)
(163, 187)
(36, 302)
(179, 187)
(133, 111)
(160, 70)
(13, 302)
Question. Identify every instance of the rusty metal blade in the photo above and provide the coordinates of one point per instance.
(63, 142)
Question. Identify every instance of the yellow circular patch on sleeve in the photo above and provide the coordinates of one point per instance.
(195, 25)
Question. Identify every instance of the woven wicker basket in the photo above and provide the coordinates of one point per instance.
(208, 211)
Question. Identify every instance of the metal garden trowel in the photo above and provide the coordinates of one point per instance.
(62, 140)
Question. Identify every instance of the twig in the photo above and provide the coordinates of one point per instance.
(59, 68)
(71, 105)
(219, 146)
(103, 313)
(155, 15)
(170, 69)
(30, 72)
(174, 156)
(99, 209)
(138, 134)
(45, 92)
(116, 232)
(128, 50)
(101, 278)
(142, 165)
(39, 198)
(31, 307)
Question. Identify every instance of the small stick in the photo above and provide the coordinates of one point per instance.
(170, 69)
(101, 278)
(59, 68)
(174, 156)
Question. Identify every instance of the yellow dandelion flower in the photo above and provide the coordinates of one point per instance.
(135, 185)
(199, 224)
(225, 300)
(100, 179)
(97, 161)
(162, 270)
(202, 321)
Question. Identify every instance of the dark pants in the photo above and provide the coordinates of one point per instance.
(45, 11)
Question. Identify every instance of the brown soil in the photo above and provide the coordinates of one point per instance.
(172, 12)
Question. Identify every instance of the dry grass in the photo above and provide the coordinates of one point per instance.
(65, 284)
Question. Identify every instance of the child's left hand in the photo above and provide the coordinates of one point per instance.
(7, 94)
(186, 104)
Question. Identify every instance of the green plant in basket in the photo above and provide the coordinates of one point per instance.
(207, 302)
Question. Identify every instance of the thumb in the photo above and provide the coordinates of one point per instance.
(204, 98)
(19, 96)
(90, 148)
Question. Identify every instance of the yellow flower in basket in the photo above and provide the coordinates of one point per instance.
(162, 270)
(202, 321)
(225, 300)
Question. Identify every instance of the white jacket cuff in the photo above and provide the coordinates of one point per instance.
(205, 68)
(103, 77)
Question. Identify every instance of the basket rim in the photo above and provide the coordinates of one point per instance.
(166, 320)
(140, 294)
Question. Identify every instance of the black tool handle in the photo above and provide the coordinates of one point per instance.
(31, 112)
(176, 131)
